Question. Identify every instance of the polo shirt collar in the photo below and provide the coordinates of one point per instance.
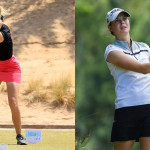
(123, 44)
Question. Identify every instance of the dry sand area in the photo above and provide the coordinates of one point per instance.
(43, 33)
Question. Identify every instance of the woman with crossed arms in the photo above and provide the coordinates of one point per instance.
(128, 62)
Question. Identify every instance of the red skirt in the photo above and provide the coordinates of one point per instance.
(10, 70)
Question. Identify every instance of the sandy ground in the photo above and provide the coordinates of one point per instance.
(43, 32)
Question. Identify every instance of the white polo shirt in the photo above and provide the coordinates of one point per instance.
(132, 88)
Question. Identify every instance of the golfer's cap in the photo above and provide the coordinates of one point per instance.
(112, 15)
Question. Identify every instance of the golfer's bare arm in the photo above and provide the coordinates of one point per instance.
(1, 36)
(124, 61)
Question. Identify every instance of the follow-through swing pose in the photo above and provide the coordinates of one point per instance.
(128, 62)
(10, 72)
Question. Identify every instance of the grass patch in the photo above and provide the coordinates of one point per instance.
(37, 91)
(61, 91)
(38, 96)
(51, 140)
(33, 84)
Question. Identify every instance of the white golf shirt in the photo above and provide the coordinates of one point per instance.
(132, 88)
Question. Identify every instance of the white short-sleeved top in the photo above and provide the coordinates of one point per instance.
(132, 88)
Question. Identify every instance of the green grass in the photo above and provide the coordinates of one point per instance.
(51, 140)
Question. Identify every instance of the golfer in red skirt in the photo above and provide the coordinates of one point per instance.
(10, 72)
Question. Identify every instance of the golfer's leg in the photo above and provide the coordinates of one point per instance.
(125, 145)
(145, 143)
(13, 91)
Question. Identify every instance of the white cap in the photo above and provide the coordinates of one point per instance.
(112, 15)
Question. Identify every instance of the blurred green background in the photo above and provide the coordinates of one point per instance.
(95, 89)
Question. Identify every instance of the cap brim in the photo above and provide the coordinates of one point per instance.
(117, 13)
